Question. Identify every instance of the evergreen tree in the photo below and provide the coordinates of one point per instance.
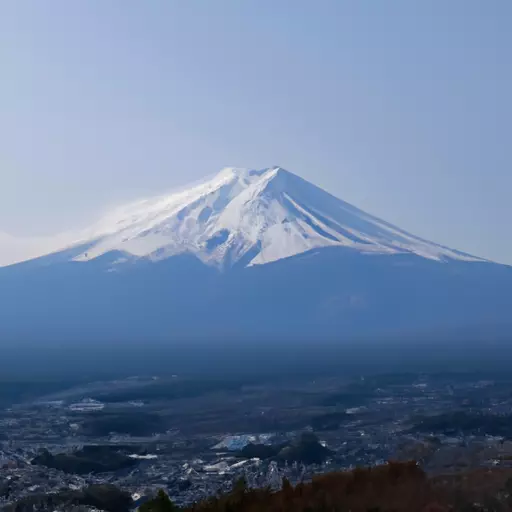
(161, 503)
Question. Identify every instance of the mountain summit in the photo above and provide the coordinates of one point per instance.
(250, 217)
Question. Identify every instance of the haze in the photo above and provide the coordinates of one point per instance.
(400, 108)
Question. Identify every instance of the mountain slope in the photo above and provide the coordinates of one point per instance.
(248, 255)
(327, 293)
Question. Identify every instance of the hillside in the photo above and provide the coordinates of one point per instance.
(397, 487)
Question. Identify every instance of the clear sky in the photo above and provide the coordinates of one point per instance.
(400, 107)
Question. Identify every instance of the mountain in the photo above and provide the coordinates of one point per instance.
(248, 254)
(248, 217)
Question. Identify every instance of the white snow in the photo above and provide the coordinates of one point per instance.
(255, 217)
(143, 457)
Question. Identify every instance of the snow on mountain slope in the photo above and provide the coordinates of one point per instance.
(250, 217)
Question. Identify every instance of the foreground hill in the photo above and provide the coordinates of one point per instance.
(396, 487)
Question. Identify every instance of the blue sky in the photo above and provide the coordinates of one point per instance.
(401, 108)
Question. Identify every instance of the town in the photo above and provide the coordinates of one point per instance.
(195, 438)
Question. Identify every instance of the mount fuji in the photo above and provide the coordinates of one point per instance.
(248, 217)
(244, 255)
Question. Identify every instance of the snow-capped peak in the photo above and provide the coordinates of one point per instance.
(249, 217)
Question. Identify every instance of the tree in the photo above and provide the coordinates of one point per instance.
(161, 503)
(240, 486)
